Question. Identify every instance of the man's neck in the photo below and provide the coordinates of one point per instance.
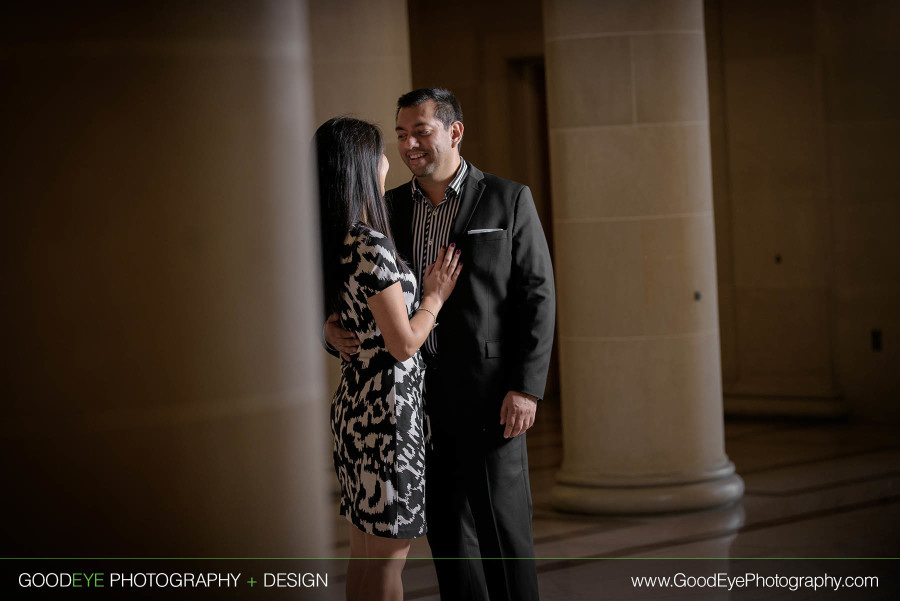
(434, 188)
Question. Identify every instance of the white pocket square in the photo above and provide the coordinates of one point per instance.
(493, 229)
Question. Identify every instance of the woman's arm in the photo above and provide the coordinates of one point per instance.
(403, 335)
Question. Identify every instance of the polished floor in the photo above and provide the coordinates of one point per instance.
(822, 498)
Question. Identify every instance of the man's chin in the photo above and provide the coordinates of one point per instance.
(422, 171)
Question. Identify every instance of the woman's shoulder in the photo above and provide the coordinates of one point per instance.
(362, 235)
(373, 257)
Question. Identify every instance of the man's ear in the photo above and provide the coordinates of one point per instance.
(456, 132)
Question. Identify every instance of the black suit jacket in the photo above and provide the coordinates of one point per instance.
(496, 329)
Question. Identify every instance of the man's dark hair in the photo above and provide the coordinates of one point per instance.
(447, 108)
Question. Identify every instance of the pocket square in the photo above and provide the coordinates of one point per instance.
(487, 231)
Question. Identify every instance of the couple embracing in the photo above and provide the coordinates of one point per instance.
(429, 421)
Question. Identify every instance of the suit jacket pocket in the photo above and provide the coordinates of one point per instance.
(481, 253)
(493, 348)
(485, 236)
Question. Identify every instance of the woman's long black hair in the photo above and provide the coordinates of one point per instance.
(348, 152)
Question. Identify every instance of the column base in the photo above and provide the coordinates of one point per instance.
(647, 499)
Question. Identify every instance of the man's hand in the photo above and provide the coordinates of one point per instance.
(341, 340)
(517, 412)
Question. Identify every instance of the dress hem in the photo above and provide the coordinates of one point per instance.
(402, 534)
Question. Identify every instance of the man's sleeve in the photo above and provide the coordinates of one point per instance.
(328, 348)
(534, 299)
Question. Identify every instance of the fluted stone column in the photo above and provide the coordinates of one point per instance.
(635, 258)
(163, 393)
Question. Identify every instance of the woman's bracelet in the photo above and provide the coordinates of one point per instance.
(433, 316)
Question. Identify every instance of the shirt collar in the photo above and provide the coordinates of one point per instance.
(453, 189)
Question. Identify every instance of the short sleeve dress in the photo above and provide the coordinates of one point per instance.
(377, 416)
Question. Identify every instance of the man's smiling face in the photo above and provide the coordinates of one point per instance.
(425, 144)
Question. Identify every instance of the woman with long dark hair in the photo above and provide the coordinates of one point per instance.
(376, 414)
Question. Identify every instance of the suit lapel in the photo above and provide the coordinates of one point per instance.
(471, 194)
(400, 201)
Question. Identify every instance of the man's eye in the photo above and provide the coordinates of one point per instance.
(424, 132)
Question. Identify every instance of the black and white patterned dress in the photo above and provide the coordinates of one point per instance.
(376, 413)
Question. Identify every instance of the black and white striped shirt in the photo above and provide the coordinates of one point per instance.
(431, 229)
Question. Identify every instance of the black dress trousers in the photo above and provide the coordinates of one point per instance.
(478, 509)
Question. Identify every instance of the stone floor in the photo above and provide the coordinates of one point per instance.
(817, 495)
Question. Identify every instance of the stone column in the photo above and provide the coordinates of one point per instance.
(635, 257)
(164, 394)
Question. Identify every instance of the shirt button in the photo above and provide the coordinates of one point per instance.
(429, 243)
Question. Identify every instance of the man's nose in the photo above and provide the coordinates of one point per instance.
(410, 142)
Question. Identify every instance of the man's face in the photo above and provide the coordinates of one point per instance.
(429, 149)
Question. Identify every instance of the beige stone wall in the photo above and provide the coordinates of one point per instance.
(860, 51)
(361, 65)
(804, 117)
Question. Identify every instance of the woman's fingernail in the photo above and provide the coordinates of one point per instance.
(452, 244)
(457, 252)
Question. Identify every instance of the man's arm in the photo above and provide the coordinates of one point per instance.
(534, 305)
(533, 299)
(338, 341)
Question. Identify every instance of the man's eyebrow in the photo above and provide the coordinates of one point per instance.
(419, 124)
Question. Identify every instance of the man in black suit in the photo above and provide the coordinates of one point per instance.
(487, 362)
